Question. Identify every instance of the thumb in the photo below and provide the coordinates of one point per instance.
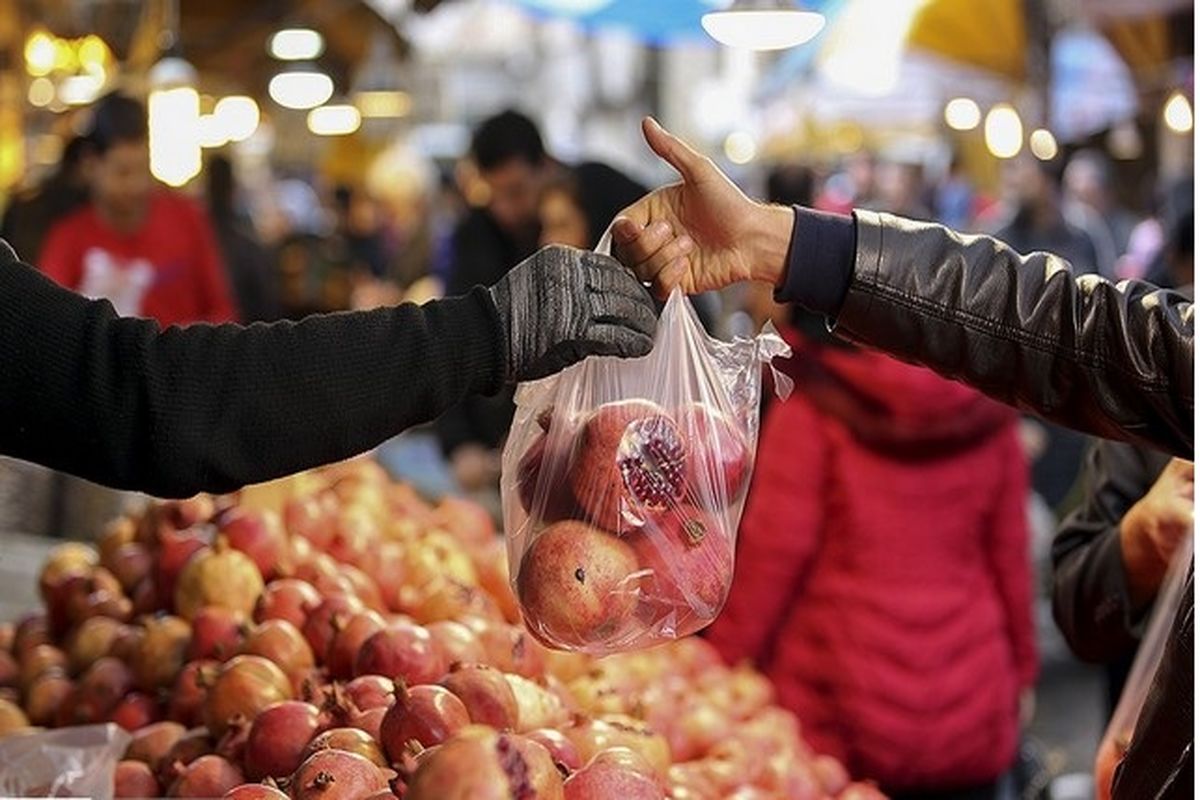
(670, 148)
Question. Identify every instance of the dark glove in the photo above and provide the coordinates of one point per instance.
(562, 305)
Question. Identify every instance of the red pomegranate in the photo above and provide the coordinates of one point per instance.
(135, 710)
(336, 775)
(130, 564)
(326, 619)
(289, 599)
(630, 460)
(186, 702)
(350, 740)
(245, 685)
(689, 560)
(542, 474)
(254, 791)
(277, 738)
(481, 764)
(175, 549)
(454, 641)
(208, 776)
(428, 714)
(161, 652)
(216, 634)
(92, 640)
(258, 534)
(718, 463)
(560, 748)
(400, 651)
(48, 692)
(577, 585)
(312, 517)
(152, 743)
(279, 642)
(485, 693)
(135, 779)
(349, 639)
(616, 772)
(371, 691)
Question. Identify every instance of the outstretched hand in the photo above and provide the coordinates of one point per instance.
(701, 233)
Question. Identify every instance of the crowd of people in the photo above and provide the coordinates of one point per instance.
(911, 662)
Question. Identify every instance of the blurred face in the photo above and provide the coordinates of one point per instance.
(1024, 182)
(513, 194)
(562, 221)
(121, 181)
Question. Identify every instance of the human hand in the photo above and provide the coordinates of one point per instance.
(562, 305)
(702, 233)
(1154, 527)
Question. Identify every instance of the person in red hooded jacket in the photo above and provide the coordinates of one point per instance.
(906, 663)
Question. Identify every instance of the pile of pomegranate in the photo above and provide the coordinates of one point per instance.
(628, 526)
(350, 641)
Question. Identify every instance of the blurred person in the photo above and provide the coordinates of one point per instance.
(954, 197)
(1091, 201)
(247, 262)
(360, 229)
(31, 215)
(151, 252)
(1111, 360)
(899, 189)
(907, 665)
(576, 208)
(1037, 223)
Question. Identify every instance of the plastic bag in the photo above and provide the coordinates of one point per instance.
(623, 484)
(68, 762)
(1117, 736)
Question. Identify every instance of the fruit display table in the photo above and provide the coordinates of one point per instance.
(337, 637)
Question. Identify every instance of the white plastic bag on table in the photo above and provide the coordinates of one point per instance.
(67, 762)
(1117, 736)
(623, 484)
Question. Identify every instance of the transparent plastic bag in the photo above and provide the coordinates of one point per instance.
(67, 762)
(1117, 736)
(623, 484)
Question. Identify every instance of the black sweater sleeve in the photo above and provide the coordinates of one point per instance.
(215, 407)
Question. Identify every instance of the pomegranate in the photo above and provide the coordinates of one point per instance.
(349, 639)
(384, 564)
(350, 740)
(39, 660)
(277, 739)
(45, 695)
(718, 462)
(10, 671)
(312, 517)
(175, 550)
(491, 563)
(537, 707)
(29, 633)
(354, 532)
(481, 764)
(135, 710)
(336, 775)
(615, 772)
(254, 791)
(161, 652)
(192, 745)
(279, 642)
(221, 577)
(561, 749)
(832, 775)
(443, 599)
(135, 779)
(258, 534)
(465, 520)
(216, 634)
(631, 459)
(324, 621)
(370, 720)
(151, 744)
(438, 556)
(542, 475)
(591, 736)
(289, 599)
(186, 703)
(363, 587)
(697, 728)
(208, 776)
(130, 564)
(578, 586)
(509, 648)
(118, 532)
(371, 691)
(485, 693)
(12, 718)
(100, 689)
(401, 650)
(690, 563)
(145, 597)
(245, 685)
(65, 559)
(454, 641)
(92, 640)
(429, 714)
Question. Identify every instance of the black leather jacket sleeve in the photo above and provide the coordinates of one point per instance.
(1113, 360)
(1091, 597)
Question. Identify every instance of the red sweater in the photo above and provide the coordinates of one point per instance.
(168, 270)
(883, 578)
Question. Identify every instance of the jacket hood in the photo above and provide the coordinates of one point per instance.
(891, 405)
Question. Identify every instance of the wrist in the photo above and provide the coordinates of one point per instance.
(770, 234)
(1144, 569)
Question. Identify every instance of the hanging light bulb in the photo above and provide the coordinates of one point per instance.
(334, 120)
(239, 117)
(1177, 113)
(962, 114)
(1002, 131)
(297, 44)
(1043, 145)
(173, 113)
(301, 88)
(763, 25)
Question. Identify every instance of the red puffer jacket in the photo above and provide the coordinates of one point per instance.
(883, 579)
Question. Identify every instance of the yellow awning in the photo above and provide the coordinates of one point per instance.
(989, 34)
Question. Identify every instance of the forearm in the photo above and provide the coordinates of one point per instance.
(1116, 362)
(211, 408)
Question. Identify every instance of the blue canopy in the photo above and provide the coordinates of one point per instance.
(656, 22)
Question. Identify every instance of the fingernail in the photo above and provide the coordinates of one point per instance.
(686, 244)
(660, 228)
